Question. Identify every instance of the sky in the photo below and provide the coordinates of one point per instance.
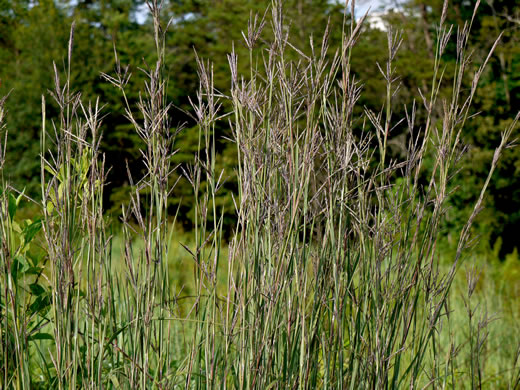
(363, 5)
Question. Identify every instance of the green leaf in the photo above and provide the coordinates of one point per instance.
(114, 381)
(16, 227)
(36, 289)
(35, 258)
(12, 206)
(41, 336)
(30, 231)
(49, 169)
(33, 271)
(19, 198)
(41, 303)
(17, 266)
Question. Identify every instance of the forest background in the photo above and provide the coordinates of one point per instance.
(33, 34)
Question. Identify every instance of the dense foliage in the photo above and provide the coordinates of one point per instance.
(34, 34)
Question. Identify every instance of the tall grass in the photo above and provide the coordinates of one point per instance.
(332, 276)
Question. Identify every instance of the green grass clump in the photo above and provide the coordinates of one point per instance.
(331, 277)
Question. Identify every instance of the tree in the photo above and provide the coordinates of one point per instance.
(31, 38)
(495, 102)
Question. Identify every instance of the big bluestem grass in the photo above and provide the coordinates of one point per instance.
(74, 229)
(335, 264)
(331, 277)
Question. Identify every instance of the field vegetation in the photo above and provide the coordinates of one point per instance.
(319, 250)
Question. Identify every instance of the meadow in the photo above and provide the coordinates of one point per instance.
(336, 273)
